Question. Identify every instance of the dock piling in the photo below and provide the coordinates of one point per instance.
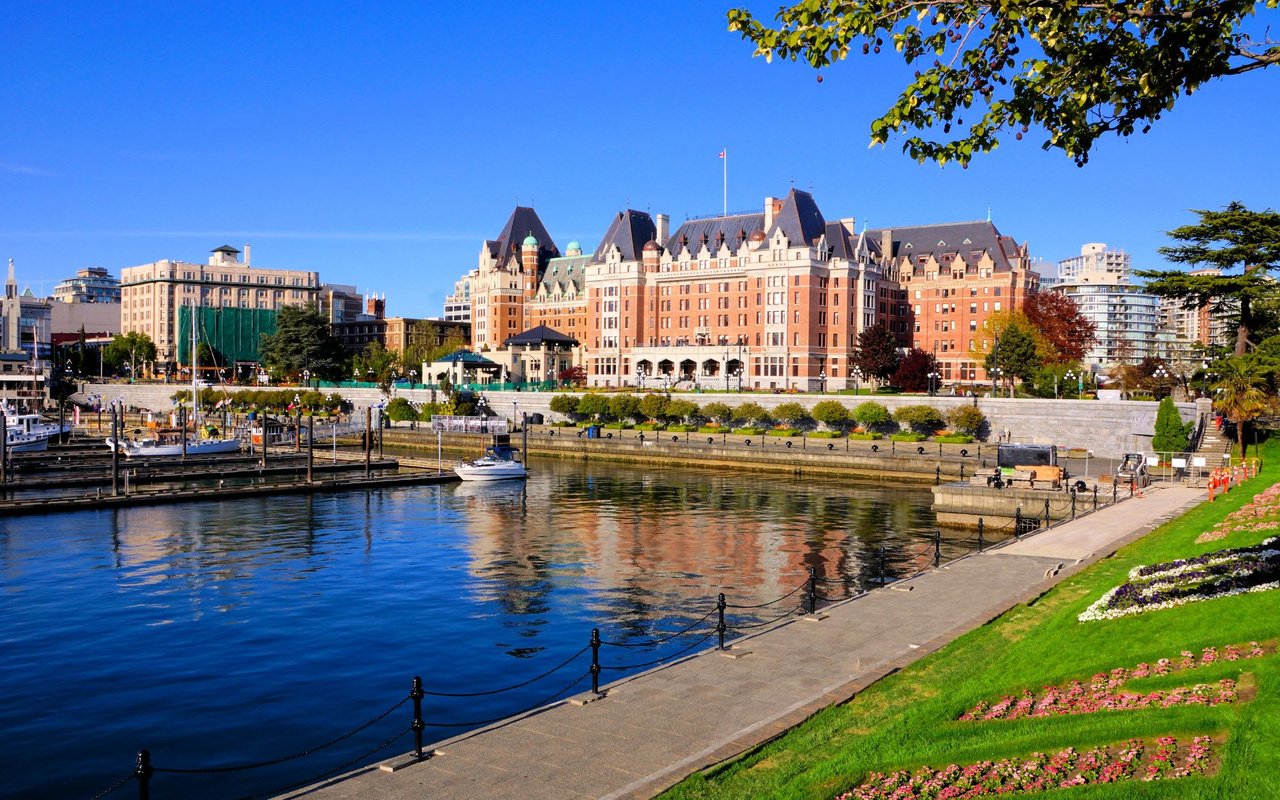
(311, 442)
(143, 772)
(368, 438)
(419, 725)
(115, 452)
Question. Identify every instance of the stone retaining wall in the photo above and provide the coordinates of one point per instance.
(1108, 428)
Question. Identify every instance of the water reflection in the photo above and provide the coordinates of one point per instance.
(209, 632)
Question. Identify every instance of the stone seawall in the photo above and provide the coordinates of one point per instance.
(1108, 428)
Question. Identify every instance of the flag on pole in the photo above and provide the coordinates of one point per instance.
(722, 154)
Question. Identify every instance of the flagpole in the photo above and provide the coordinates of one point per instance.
(725, 158)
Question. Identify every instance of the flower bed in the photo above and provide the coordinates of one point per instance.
(1166, 759)
(1102, 693)
(1262, 513)
(1218, 574)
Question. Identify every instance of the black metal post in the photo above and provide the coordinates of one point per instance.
(813, 590)
(297, 430)
(961, 470)
(1046, 512)
(143, 772)
(937, 549)
(311, 441)
(419, 725)
(595, 660)
(1114, 489)
(882, 565)
(1095, 497)
(720, 626)
(1073, 503)
(1017, 523)
(115, 453)
(981, 526)
(937, 475)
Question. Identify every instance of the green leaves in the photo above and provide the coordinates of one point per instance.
(1100, 68)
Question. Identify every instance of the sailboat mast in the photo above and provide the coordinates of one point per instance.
(195, 402)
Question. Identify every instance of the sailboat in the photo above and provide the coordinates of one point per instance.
(169, 442)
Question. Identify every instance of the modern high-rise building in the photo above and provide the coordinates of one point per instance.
(1126, 318)
(1095, 264)
(767, 300)
(152, 293)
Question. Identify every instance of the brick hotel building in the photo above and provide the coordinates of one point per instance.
(769, 300)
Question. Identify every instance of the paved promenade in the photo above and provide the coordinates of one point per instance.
(652, 730)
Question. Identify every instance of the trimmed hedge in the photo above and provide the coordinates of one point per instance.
(749, 431)
(955, 438)
(865, 436)
(906, 436)
(826, 435)
(782, 432)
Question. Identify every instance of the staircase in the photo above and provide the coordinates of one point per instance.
(1213, 445)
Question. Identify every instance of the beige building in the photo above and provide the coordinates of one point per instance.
(152, 293)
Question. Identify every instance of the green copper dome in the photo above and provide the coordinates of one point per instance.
(530, 241)
(575, 246)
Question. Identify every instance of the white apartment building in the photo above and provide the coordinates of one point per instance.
(1095, 264)
(152, 293)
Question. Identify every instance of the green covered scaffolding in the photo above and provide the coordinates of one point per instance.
(233, 333)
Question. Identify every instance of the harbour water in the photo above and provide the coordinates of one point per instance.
(220, 634)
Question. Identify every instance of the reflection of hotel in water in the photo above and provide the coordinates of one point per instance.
(749, 547)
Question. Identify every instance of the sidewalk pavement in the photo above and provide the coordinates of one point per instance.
(652, 730)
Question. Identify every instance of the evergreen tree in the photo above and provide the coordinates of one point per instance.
(302, 341)
(1014, 352)
(1234, 238)
(1171, 434)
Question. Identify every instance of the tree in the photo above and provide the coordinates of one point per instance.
(717, 412)
(566, 404)
(654, 406)
(751, 414)
(374, 364)
(400, 410)
(871, 414)
(1171, 434)
(913, 371)
(793, 415)
(1239, 394)
(302, 341)
(1224, 240)
(131, 348)
(924, 419)
(966, 419)
(831, 413)
(573, 376)
(593, 406)
(624, 407)
(1014, 354)
(877, 352)
(682, 410)
(1065, 333)
(1090, 68)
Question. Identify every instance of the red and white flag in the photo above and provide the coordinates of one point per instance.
(722, 154)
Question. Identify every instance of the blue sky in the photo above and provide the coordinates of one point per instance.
(381, 146)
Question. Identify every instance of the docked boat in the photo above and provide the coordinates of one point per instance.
(169, 443)
(35, 425)
(499, 463)
(18, 442)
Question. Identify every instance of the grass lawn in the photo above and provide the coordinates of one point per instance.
(909, 719)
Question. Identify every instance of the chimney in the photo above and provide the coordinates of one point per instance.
(664, 228)
(246, 255)
(768, 212)
(848, 223)
(886, 244)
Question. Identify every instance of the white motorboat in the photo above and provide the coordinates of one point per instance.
(497, 464)
(35, 425)
(18, 442)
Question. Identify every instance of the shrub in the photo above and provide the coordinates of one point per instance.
(650, 426)
(870, 414)
(953, 438)
(782, 432)
(619, 426)
(712, 429)
(826, 435)
(831, 413)
(682, 428)
(921, 419)
(751, 413)
(683, 410)
(966, 419)
(865, 436)
(749, 431)
(400, 410)
(907, 436)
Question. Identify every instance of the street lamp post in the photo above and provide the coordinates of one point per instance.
(1068, 376)
(1161, 374)
(822, 381)
(933, 382)
(995, 379)
(857, 379)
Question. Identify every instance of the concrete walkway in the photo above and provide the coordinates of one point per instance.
(653, 729)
